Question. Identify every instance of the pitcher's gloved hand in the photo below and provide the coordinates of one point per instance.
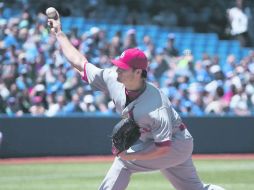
(124, 135)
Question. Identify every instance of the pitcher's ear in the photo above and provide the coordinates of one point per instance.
(139, 71)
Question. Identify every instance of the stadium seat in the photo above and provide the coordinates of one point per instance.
(66, 23)
(199, 41)
(234, 44)
(197, 55)
(223, 47)
(188, 35)
(245, 51)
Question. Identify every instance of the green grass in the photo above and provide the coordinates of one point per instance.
(231, 174)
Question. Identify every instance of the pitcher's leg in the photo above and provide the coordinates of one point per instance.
(117, 178)
(184, 176)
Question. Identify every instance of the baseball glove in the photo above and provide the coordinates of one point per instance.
(124, 135)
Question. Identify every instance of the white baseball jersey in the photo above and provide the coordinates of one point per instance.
(152, 110)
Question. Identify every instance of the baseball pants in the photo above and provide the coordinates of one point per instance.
(177, 167)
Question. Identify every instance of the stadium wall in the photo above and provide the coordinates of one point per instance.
(69, 136)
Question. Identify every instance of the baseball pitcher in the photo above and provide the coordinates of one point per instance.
(163, 142)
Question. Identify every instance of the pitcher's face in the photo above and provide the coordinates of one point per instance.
(128, 77)
(124, 75)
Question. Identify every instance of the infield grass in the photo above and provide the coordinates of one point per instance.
(231, 174)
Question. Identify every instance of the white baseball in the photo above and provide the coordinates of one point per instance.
(51, 13)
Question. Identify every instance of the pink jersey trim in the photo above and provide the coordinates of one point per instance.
(165, 143)
(132, 95)
(85, 76)
(182, 127)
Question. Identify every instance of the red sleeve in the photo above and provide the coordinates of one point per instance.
(85, 76)
(165, 143)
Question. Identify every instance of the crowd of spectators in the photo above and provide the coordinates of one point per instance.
(203, 16)
(35, 78)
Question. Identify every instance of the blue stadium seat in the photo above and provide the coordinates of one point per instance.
(141, 28)
(125, 28)
(222, 56)
(245, 51)
(78, 23)
(87, 27)
(197, 55)
(210, 48)
(186, 42)
(199, 41)
(110, 34)
(234, 44)
(212, 43)
(188, 35)
(211, 39)
(211, 36)
(66, 23)
(160, 42)
(140, 36)
(235, 49)
(223, 47)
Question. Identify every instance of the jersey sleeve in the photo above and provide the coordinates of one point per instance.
(98, 78)
(162, 127)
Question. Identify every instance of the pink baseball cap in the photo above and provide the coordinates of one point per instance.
(131, 58)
